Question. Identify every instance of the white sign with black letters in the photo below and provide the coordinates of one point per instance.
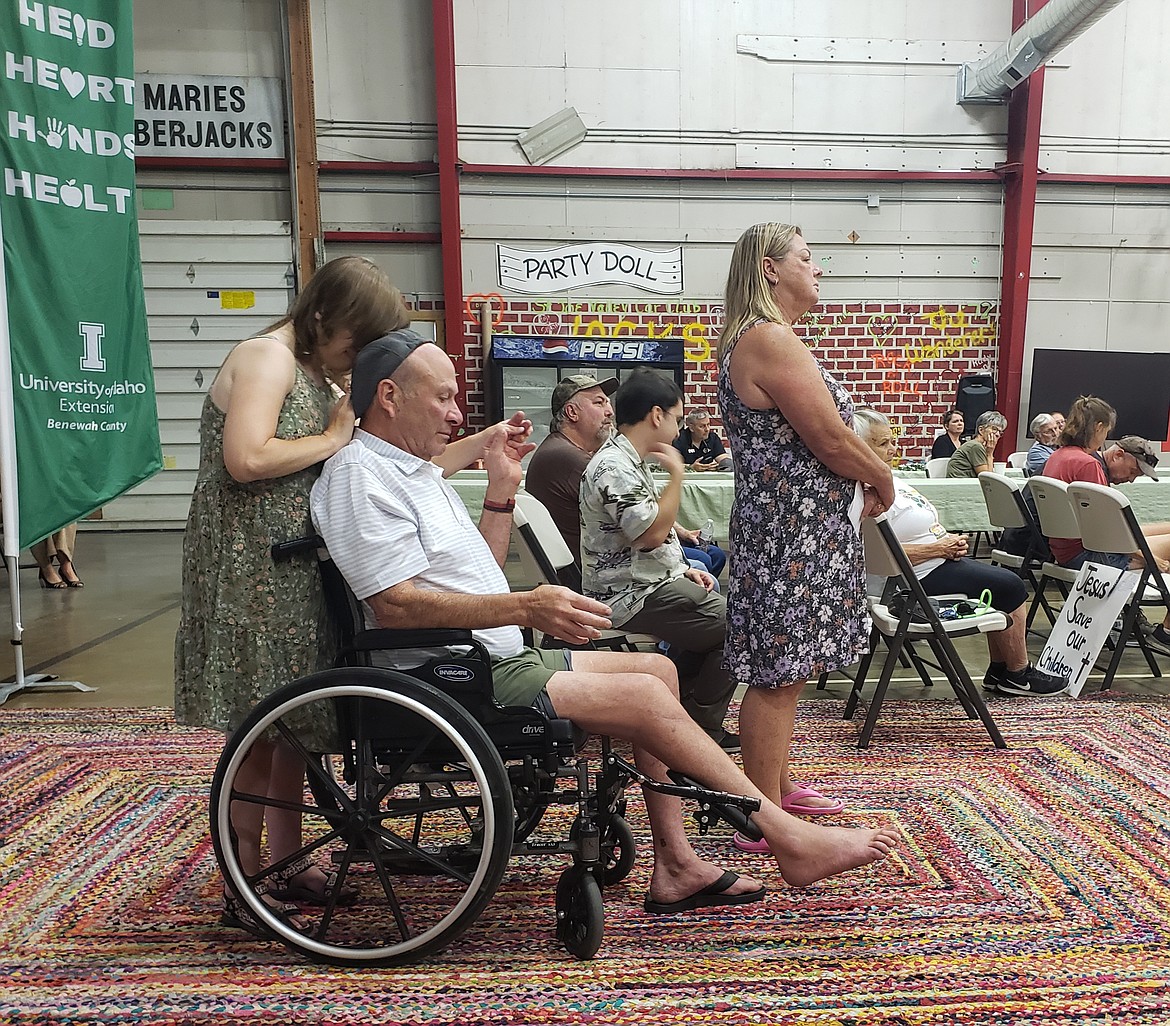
(536, 272)
(208, 116)
(1089, 612)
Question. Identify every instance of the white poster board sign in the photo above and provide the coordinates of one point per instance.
(208, 116)
(1092, 607)
(538, 272)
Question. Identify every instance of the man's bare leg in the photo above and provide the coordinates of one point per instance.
(628, 696)
(678, 870)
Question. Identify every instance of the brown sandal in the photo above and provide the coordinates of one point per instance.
(284, 887)
(237, 916)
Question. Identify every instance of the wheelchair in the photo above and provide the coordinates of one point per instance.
(420, 787)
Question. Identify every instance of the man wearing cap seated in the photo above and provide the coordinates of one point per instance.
(404, 542)
(582, 419)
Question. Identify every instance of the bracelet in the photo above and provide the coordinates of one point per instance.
(499, 507)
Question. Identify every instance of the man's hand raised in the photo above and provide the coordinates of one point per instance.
(668, 457)
(566, 615)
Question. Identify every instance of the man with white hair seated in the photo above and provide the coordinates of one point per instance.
(402, 538)
(1047, 434)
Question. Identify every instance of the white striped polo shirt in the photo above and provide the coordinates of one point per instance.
(388, 517)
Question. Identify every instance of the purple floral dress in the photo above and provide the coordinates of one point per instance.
(796, 601)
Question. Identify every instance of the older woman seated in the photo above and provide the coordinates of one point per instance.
(941, 564)
(975, 456)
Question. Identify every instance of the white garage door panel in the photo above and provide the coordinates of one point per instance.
(175, 241)
(182, 380)
(181, 406)
(178, 433)
(165, 484)
(185, 457)
(134, 512)
(189, 354)
(208, 328)
(201, 275)
(192, 332)
(207, 302)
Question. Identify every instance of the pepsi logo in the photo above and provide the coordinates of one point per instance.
(554, 346)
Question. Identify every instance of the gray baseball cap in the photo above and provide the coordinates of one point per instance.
(574, 383)
(1142, 451)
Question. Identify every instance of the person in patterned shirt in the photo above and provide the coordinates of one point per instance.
(631, 558)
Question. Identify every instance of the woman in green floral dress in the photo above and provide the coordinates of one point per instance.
(273, 414)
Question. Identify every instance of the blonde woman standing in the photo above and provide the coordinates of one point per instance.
(803, 479)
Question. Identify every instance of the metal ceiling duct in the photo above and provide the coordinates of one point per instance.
(1040, 38)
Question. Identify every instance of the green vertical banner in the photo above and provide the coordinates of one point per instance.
(82, 383)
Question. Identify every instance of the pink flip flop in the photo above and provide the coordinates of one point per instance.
(759, 847)
(792, 803)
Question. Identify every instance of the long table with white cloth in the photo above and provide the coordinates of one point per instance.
(959, 501)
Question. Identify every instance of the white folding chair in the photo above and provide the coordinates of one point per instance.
(546, 558)
(1057, 520)
(885, 557)
(1018, 460)
(1108, 524)
(1007, 510)
(937, 467)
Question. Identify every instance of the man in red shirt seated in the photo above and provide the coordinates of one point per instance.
(1080, 458)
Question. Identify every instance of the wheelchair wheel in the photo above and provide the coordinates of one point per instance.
(617, 851)
(407, 801)
(580, 913)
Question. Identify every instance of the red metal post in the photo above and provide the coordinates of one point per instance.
(1023, 158)
(450, 225)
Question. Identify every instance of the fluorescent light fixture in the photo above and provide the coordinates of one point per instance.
(552, 136)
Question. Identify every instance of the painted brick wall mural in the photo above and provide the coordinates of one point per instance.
(902, 358)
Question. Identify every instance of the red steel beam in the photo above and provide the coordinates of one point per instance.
(210, 164)
(1019, 219)
(384, 167)
(735, 174)
(450, 225)
(383, 238)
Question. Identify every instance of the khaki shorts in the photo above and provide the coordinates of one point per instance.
(520, 679)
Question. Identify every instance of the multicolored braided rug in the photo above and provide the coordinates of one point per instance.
(1033, 886)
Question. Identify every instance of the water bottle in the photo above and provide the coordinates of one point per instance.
(706, 534)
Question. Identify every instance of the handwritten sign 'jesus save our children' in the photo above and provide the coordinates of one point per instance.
(1089, 612)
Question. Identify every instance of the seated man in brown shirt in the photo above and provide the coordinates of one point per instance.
(582, 419)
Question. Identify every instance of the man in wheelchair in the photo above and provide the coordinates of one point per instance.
(404, 542)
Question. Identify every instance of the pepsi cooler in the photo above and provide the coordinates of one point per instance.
(523, 370)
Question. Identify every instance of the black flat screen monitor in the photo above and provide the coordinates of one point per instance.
(1136, 385)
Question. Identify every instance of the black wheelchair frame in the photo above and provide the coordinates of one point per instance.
(420, 787)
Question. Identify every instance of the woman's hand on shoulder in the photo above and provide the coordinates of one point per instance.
(341, 423)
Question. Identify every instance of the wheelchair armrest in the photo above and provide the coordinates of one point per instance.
(426, 637)
(287, 549)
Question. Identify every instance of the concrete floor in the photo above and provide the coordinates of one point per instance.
(117, 633)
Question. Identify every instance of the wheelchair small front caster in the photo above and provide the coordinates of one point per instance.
(617, 849)
(580, 913)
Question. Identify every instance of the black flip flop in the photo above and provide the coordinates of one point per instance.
(711, 895)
